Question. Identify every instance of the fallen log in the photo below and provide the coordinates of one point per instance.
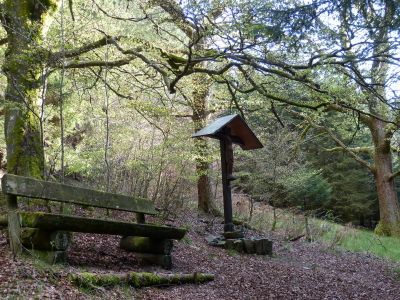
(137, 279)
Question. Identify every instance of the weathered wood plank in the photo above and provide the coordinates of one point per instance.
(33, 188)
(47, 221)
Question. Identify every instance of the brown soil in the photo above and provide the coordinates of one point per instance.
(297, 270)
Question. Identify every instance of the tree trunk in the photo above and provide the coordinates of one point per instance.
(200, 93)
(25, 22)
(389, 223)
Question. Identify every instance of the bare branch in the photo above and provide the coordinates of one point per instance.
(71, 9)
(97, 63)
(263, 92)
(176, 12)
(152, 64)
(106, 40)
(116, 17)
(393, 175)
(367, 150)
(336, 139)
(345, 148)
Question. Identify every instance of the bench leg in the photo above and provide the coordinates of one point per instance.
(50, 257)
(48, 246)
(14, 225)
(33, 238)
(149, 251)
(14, 231)
(164, 261)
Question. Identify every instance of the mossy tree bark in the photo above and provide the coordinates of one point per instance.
(25, 22)
(389, 211)
(382, 133)
(200, 92)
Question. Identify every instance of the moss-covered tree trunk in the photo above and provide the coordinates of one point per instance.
(389, 211)
(199, 94)
(25, 22)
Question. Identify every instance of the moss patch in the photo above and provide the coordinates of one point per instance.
(385, 229)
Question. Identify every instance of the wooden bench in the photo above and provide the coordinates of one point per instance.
(48, 235)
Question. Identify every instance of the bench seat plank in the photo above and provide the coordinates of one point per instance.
(33, 188)
(48, 221)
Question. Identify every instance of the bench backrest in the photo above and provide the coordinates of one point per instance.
(33, 188)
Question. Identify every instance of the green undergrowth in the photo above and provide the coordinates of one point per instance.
(290, 225)
(365, 241)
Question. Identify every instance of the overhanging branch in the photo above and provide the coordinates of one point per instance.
(97, 63)
(106, 40)
(336, 140)
(394, 175)
(366, 150)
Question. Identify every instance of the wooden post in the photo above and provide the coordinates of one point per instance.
(14, 226)
(140, 218)
(227, 168)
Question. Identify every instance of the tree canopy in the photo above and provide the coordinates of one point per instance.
(111, 91)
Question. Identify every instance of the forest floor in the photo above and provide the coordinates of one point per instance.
(297, 270)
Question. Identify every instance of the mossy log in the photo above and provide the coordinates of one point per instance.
(55, 222)
(146, 245)
(137, 279)
(33, 238)
(164, 261)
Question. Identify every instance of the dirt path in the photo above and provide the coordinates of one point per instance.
(297, 270)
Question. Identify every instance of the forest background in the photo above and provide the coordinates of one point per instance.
(108, 93)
